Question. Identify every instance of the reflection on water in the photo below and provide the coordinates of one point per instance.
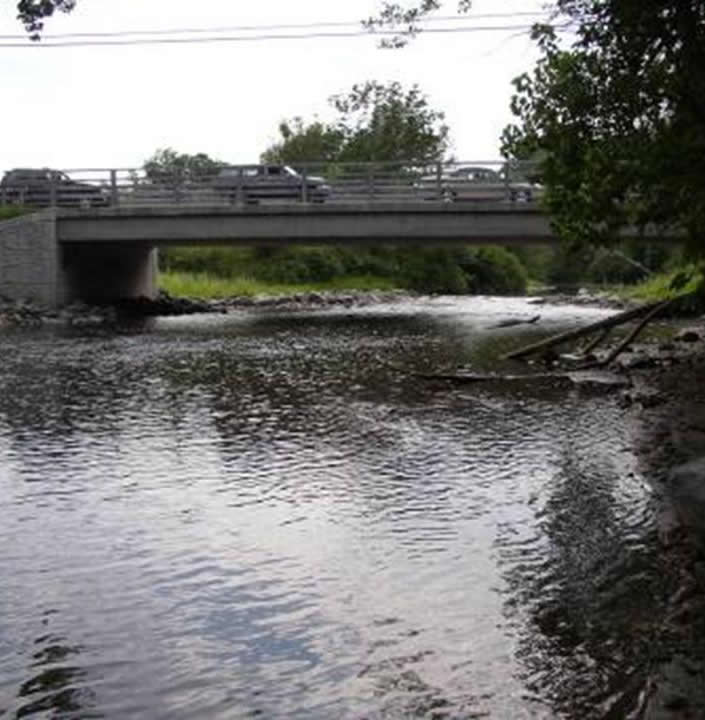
(261, 515)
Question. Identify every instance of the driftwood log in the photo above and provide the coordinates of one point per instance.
(631, 337)
(606, 324)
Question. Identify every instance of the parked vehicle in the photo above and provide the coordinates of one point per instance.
(474, 182)
(269, 182)
(42, 187)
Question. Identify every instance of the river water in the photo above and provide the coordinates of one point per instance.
(261, 514)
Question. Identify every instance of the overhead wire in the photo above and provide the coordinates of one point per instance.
(265, 37)
(269, 28)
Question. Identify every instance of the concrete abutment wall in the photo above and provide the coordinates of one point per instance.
(30, 262)
(35, 266)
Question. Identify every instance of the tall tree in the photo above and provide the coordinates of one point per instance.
(301, 141)
(374, 122)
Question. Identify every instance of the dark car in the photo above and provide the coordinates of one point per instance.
(269, 182)
(473, 182)
(44, 187)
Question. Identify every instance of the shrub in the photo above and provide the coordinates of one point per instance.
(298, 265)
(495, 271)
(434, 271)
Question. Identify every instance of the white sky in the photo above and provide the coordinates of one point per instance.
(101, 107)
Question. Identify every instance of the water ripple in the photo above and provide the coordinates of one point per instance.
(256, 515)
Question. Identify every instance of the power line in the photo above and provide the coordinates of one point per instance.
(269, 28)
(266, 37)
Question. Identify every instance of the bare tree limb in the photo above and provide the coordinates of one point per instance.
(607, 323)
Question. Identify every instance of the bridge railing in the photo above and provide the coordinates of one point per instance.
(243, 185)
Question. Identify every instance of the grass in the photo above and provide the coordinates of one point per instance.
(7, 212)
(657, 287)
(211, 287)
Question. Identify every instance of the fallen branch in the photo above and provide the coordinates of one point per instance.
(478, 377)
(573, 376)
(607, 323)
(611, 356)
(594, 343)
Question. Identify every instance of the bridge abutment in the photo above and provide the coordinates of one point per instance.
(35, 266)
(30, 260)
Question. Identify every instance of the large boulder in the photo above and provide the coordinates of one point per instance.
(687, 486)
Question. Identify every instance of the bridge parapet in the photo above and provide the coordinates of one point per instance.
(309, 182)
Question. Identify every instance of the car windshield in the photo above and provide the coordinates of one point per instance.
(290, 171)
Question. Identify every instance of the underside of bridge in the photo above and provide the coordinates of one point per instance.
(109, 271)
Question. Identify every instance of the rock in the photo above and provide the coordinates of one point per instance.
(636, 361)
(598, 378)
(687, 336)
(668, 527)
(687, 489)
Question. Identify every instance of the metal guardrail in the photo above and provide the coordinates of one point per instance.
(241, 185)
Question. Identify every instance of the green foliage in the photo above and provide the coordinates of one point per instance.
(536, 259)
(32, 13)
(207, 286)
(618, 118)
(495, 271)
(7, 212)
(168, 167)
(434, 270)
(610, 267)
(460, 271)
(301, 142)
(455, 271)
(374, 122)
(406, 17)
(300, 265)
(388, 123)
(223, 262)
(662, 286)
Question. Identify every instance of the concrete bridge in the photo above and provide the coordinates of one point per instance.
(59, 255)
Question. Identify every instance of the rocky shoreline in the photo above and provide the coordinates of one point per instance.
(20, 313)
(667, 412)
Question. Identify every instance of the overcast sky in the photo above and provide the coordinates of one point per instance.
(103, 107)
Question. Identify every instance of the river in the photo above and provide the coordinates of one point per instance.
(260, 514)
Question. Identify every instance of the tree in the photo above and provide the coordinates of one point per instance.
(32, 13)
(616, 116)
(169, 167)
(375, 122)
(300, 142)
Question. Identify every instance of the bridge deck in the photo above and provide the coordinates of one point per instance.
(408, 222)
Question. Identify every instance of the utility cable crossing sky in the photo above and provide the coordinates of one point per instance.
(457, 24)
